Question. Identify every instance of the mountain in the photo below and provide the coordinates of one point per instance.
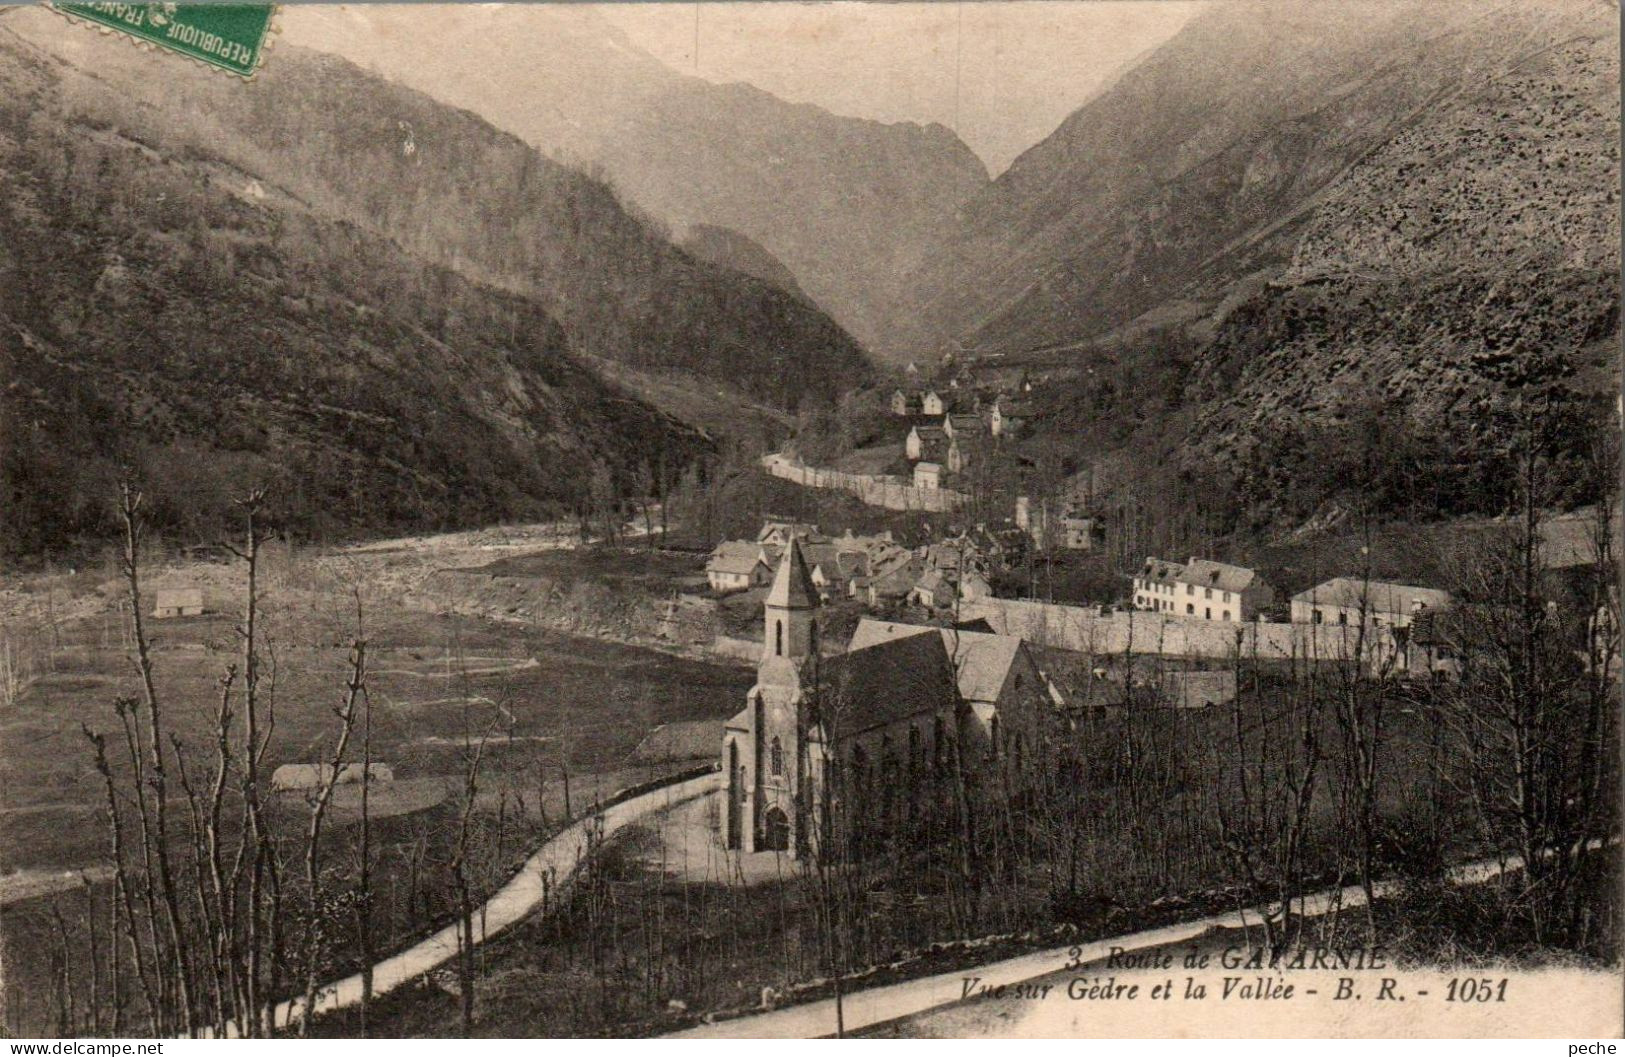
(1294, 221)
(846, 204)
(388, 306)
(729, 249)
(1202, 165)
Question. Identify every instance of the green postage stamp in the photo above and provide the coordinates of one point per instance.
(230, 37)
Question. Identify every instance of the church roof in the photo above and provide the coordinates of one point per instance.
(982, 661)
(887, 682)
(792, 584)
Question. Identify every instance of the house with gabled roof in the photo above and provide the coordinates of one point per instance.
(925, 442)
(1007, 417)
(1201, 588)
(955, 425)
(1351, 600)
(737, 565)
(183, 602)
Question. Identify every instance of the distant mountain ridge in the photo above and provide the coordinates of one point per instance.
(387, 306)
(1294, 212)
(847, 204)
(1199, 166)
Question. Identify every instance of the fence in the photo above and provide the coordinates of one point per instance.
(892, 493)
(1086, 631)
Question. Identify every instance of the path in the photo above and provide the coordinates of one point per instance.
(877, 1005)
(543, 878)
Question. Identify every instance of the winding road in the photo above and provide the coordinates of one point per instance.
(878, 1005)
(544, 877)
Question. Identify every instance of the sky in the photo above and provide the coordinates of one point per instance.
(1001, 73)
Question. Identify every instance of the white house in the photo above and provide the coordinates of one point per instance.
(737, 565)
(927, 475)
(1346, 600)
(931, 403)
(1073, 530)
(187, 602)
(1206, 590)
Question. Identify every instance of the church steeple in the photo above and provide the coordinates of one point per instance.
(791, 607)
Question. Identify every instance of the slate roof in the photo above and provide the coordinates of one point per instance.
(966, 423)
(792, 584)
(1218, 575)
(896, 579)
(982, 661)
(735, 557)
(886, 682)
(1378, 597)
(1200, 572)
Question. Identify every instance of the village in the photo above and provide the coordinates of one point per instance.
(853, 697)
(802, 520)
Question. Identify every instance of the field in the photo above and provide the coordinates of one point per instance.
(561, 715)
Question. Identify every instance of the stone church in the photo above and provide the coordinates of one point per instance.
(903, 706)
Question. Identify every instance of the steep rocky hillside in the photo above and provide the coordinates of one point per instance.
(846, 204)
(1201, 166)
(384, 308)
(1433, 194)
(449, 188)
(1488, 226)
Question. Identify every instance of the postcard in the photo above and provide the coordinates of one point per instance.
(1029, 519)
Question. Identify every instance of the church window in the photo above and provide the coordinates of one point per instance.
(778, 638)
(776, 758)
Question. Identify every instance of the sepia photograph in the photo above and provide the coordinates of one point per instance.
(982, 519)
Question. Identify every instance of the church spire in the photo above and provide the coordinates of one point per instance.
(789, 608)
(792, 584)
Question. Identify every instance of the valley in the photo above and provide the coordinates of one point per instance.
(762, 559)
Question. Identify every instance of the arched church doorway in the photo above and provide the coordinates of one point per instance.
(775, 830)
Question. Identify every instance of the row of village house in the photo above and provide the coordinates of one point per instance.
(1210, 590)
(875, 569)
(943, 439)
